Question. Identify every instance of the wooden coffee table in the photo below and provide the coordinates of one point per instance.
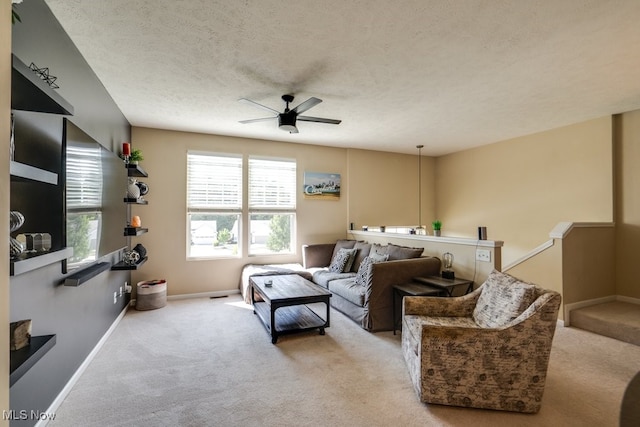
(283, 307)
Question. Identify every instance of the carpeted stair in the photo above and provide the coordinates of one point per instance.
(617, 319)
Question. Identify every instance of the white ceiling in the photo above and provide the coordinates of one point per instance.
(447, 74)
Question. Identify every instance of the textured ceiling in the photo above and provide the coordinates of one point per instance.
(447, 74)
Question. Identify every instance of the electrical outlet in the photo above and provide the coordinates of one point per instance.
(120, 291)
(115, 297)
(483, 255)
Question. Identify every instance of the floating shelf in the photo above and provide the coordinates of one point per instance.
(135, 201)
(30, 93)
(136, 170)
(77, 279)
(22, 360)
(24, 171)
(122, 266)
(134, 231)
(28, 262)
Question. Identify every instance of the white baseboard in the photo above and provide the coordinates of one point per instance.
(587, 303)
(76, 376)
(215, 294)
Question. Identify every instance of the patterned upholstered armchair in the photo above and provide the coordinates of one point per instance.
(487, 349)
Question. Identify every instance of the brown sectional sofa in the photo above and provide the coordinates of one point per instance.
(369, 300)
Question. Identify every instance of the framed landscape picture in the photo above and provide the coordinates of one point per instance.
(321, 186)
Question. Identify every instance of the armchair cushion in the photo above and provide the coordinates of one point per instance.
(503, 298)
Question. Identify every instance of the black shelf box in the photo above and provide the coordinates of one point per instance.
(136, 170)
(30, 93)
(122, 266)
(134, 231)
(22, 360)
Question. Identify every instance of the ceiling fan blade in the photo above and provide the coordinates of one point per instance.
(319, 120)
(311, 102)
(263, 119)
(254, 103)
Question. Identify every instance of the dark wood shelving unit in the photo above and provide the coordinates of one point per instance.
(135, 201)
(136, 170)
(30, 262)
(30, 93)
(22, 360)
(122, 266)
(135, 231)
(30, 173)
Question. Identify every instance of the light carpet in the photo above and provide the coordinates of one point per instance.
(210, 362)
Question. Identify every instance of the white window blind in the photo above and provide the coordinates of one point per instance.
(272, 184)
(84, 178)
(214, 181)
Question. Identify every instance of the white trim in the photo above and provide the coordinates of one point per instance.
(442, 239)
(204, 294)
(78, 373)
(546, 245)
(561, 230)
(582, 304)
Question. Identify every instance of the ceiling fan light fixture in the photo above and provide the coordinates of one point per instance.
(287, 122)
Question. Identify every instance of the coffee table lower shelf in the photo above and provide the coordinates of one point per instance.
(289, 319)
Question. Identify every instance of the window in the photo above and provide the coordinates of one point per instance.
(272, 206)
(84, 202)
(214, 205)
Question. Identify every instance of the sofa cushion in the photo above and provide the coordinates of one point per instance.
(363, 249)
(503, 298)
(342, 244)
(342, 260)
(324, 276)
(378, 249)
(363, 277)
(349, 290)
(396, 252)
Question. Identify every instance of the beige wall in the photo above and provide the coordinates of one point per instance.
(627, 128)
(588, 264)
(521, 188)
(384, 189)
(5, 113)
(368, 177)
(165, 216)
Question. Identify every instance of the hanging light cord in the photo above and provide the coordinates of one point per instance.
(419, 147)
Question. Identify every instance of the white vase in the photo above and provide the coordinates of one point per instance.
(133, 191)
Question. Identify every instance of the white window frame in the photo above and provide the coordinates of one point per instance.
(214, 203)
(280, 197)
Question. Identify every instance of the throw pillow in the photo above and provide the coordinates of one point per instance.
(342, 244)
(503, 298)
(342, 259)
(363, 277)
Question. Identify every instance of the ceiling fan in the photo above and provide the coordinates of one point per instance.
(287, 119)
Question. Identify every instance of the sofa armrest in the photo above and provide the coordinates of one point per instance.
(318, 255)
(462, 306)
(378, 297)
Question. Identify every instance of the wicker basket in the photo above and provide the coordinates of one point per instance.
(151, 294)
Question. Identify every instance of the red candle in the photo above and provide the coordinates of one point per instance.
(126, 149)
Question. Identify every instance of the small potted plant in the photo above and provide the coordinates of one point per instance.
(436, 225)
(135, 157)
